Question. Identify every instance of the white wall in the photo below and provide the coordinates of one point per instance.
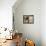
(6, 13)
(31, 31)
(43, 22)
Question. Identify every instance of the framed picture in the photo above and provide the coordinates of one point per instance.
(28, 19)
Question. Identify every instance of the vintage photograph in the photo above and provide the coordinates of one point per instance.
(28, 19)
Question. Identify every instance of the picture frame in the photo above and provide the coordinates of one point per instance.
(28, 19)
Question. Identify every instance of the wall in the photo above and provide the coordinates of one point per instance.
(43, 22)
(6, 13)
(30, 31)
